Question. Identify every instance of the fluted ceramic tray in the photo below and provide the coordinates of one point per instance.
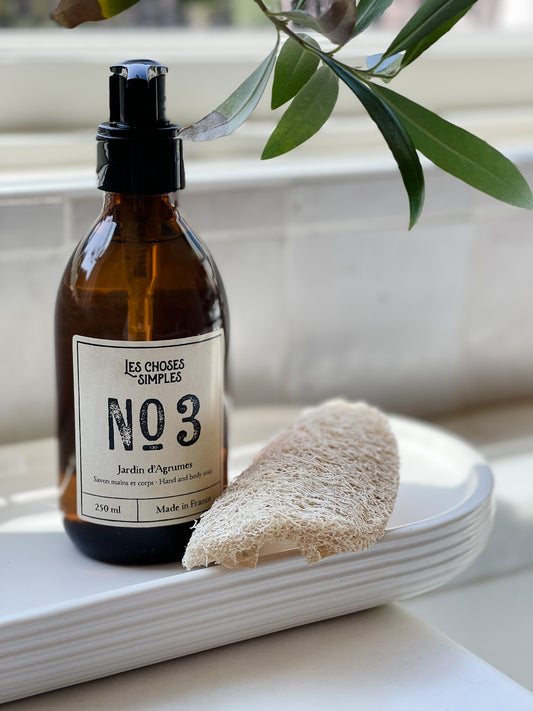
(65, 619)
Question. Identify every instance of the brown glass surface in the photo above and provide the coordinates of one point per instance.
(140, 275)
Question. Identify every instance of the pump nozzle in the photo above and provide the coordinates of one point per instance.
(137, 93)
(138, 149)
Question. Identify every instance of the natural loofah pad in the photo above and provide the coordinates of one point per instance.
(327, 483)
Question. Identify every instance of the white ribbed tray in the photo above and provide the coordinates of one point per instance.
(66, 619)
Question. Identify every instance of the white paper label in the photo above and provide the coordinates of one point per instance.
(149, 429)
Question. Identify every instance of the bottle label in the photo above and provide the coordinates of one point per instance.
(149, 429)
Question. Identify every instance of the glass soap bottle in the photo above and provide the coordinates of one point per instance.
(141, 339)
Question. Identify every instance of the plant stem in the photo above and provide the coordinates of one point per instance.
(282, 26)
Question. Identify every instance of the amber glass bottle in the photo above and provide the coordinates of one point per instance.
(141, 338)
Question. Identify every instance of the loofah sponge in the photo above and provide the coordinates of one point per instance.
(327, 483)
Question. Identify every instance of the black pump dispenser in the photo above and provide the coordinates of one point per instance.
(138, 149)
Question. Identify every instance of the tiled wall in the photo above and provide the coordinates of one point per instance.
(329, 293)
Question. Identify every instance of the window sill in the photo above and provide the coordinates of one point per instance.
(37, 163)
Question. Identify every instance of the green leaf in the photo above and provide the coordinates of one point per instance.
(459, 152)
(294, 67)
(387, 66)
(429, 17)
(110, 8)
(417, 49)
(369, 11)
(336, 23)
(307, 113)
(236, 108)
(397, 138)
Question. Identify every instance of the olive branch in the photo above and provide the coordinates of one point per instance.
(306, 76)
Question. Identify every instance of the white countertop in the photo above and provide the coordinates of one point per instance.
(383, 658)
(378, 660)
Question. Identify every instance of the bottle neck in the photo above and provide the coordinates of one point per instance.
(139, 205)
(143, 218)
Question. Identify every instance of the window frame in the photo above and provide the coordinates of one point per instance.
(54, 83)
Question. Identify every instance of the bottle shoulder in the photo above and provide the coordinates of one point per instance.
(110, 256)
(147, 282)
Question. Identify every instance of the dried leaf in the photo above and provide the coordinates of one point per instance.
(336, 23)
(236, 108)
(71, 13)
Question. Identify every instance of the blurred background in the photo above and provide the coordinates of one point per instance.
(165, 13)
(330, 294)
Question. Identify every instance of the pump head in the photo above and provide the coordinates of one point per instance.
(138, 148)
(137, 94)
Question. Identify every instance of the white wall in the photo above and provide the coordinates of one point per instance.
(329, 293)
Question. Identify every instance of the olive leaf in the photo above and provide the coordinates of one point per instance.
(110, 8)
(336, 23)
(369, 11)
(71, 13)
(417, 49)
(294, 67)
(307, 113)
(236, 108)
(459, 152)
(392, 130)
(387, 65)
(431, 16)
